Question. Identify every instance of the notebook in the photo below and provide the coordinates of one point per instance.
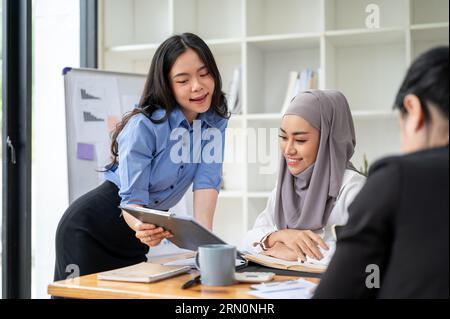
(143, 272)
(272, 262)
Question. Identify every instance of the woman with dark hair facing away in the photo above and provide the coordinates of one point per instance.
(396, 242)
(157, 153)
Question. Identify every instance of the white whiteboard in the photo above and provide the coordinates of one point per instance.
(94, 100)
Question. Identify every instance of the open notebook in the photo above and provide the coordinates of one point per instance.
(284, 264)
(143, 272)
(311, 265)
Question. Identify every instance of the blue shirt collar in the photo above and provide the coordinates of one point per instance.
(210, 117)
(177, 117)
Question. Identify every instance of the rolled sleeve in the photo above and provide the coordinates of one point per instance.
(136, 152)
(209, 175)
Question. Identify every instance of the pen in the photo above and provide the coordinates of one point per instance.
(191, 282)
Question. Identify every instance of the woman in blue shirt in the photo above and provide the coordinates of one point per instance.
(174, 138)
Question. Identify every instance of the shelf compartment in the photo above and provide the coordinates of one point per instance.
(371, 139)
(263, 154)
(229, 223)
(255, 207)
(351, 14)
(429, 11)
(133, 22)
(361, 71)
(423, 38)
(228, 56)
(298, 16)
(268, 67)
(234, 158)
(209, 19)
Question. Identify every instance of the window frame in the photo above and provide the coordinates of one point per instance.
(16, 135)
(89, 38)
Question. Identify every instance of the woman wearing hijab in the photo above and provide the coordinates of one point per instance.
(316, 181)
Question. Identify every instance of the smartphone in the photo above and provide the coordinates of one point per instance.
(254, 277)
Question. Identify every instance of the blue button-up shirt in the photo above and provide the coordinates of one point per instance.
(147, 173)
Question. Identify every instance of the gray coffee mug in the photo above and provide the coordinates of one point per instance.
(216, 264)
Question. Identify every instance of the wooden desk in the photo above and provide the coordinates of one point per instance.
(88, 287)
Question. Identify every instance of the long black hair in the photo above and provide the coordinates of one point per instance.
(157, 92)
(427, 78)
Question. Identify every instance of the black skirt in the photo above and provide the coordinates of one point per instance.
(93, 237)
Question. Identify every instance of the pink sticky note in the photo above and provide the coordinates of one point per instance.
(112, 121)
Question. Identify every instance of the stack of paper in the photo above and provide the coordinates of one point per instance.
(292, 289)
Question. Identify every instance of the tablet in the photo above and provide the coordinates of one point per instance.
(187, 233)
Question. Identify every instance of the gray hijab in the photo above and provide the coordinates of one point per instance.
(305, 201)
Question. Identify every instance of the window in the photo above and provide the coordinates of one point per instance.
(56, 38)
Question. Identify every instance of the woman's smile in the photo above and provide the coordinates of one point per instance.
(293, 161)
(200, 99)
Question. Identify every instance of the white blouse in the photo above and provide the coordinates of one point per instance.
(265, 224)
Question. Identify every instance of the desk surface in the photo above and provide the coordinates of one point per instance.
(88, 287)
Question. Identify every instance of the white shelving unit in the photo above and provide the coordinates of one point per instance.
(269, 38)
